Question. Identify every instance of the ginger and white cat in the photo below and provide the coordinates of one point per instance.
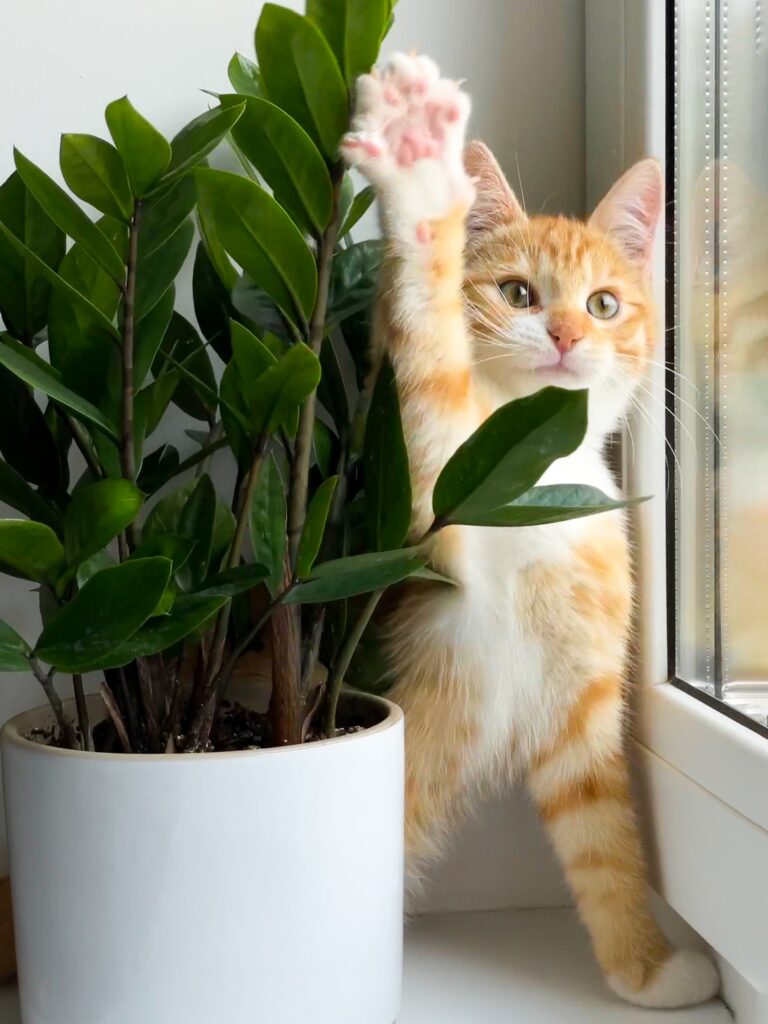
(520, 669)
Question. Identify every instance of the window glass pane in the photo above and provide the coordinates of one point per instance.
(720, 313)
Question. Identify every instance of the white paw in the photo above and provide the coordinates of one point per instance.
(408, 139)
(686, 979)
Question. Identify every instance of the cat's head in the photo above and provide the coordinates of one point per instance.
(555, 301)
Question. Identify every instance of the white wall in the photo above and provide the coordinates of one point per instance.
(524, 64)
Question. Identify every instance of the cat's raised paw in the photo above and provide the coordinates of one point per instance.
(408, 139)
(686, 979)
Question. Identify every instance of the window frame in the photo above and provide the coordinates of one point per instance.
(702, 768)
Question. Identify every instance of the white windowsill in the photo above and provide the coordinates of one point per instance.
(532, 966)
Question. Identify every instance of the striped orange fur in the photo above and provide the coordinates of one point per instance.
(519, 669)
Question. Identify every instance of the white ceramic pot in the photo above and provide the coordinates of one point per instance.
(234, 888)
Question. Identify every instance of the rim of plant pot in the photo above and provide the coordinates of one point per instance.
(14, 730)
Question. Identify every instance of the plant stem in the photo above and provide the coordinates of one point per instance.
(297, 503)
(81, 439)
(284, 704)
(117, 719)
(231, 663)
(86, 739)
(342, 662)
(127, 448)
(46, 681)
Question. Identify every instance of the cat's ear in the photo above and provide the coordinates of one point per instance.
(495, 203)
(631, 210)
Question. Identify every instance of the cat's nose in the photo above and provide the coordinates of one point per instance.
(564, 334)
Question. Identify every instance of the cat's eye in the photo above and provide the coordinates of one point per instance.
(603, 305)
(519, 294)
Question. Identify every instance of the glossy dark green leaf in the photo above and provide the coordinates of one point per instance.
(24, 292)
(550, 504)
(387, 474)
(196, 140)
(216, 252)
(21, 363)
(163, 213)
(354, 28)
(101, 560)
(191, 613)
(109, 609)
(166, 545)
(196, 521)
(95, 172)
(157, 272)
(26, 440)
(300, 74)
(244, 76)
(164, 518)
(360, 206)
(96, 514)
(195, 392)
(157, 397)
(354, 280)
(233, 581)
(79, 346)
(267, 523)
(213, 306)
(510, 452)
(287, 159)
(253, 304)
(158, 467)
(58, 282)
(314, 526)
(357, 574)
(146, 154)
(16, 492)
(277, 394)
(14, 650)
(32, 549)
(70, 218)
(261, 237)
(149, 334)
(334, 391)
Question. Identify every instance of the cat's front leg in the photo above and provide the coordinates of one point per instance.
(408, 141)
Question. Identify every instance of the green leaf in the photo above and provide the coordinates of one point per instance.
(149, 334)
(510, 452)
(56, 280)
(96, 514)
(357, 574)
(354, 28)
(267, 523)
(196, 523)
(233, 581)
(314, 526)
(31, 549)
(287, 159)
(301, 75)
(195, 394)
(14, 650)
(16, 492)
(26, 439)
(166, 545)
(217, 255)
(24, 292)
(109, 609)
(95, 172)
(213, 306)
(550, 504)
(200, 136)
(354, 280)
(277, 394)
(244, 76)
(101, 560)
(73, 221)
(157, 397)
(20, 362)
(387, 474)
(158, 467)
(146, 154)
(157, 272)
(165, 515)
(360, 206)
(191, 613)
(336, 391)
(256, 307)
(261, 237)
(163, 213)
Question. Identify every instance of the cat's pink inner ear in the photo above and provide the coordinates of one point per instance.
(630, 212)
(495, 202)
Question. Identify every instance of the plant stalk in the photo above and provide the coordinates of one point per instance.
(46, 681)
(297, 502)
(117, 719)
(81, 439)
(343, 660)
(83, 720)
(127, 447)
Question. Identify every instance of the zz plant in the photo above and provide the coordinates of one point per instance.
(148, 576)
